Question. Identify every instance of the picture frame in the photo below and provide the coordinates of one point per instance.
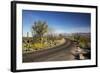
(20, 13)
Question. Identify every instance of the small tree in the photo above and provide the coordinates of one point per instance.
(39, 29)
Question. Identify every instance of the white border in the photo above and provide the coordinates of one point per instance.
(35, 65)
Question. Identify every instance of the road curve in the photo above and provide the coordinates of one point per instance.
(59, 53)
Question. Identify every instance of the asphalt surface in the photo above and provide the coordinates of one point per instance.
(63, 52)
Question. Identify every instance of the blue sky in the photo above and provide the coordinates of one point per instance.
(60, 22)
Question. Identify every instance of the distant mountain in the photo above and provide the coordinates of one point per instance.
(71, 34)
(83, 34)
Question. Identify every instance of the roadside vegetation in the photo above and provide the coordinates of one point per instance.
(81, 40)
(41, 39)
(84, 43)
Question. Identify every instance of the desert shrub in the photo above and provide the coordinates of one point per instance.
(84, 42)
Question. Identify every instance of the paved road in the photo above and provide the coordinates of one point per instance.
(59, 53)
